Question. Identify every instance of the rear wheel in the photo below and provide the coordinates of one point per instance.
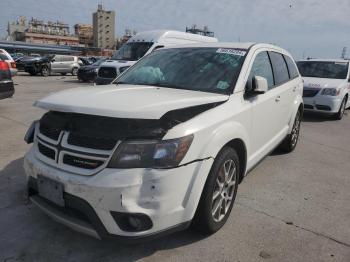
(340, 114)
(219, 193)
(290, 142)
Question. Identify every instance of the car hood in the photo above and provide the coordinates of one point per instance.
(118, 63)
(314, 82)
(126, 101)
(87, 67)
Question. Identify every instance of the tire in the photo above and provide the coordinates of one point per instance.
(63, 74)
(290, 142)
(74, 71)
(212, 214)
(32, 73)
(45, 71)
(340, 114)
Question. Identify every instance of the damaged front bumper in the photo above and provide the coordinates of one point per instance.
(101, 205)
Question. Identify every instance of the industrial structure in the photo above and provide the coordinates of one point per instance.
(205, 31)
(104, 28)
(85, 34)
(40, 32)
(127, 35)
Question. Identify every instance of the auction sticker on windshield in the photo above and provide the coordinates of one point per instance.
(231, 51)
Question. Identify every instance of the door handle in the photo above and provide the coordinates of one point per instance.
(278, 98)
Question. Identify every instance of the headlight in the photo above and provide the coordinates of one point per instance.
(330, 92)
(29, 136)
(151, 154)
(95, 70)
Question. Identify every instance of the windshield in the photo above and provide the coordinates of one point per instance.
(323, 69)
(200, 69)
(132, 51)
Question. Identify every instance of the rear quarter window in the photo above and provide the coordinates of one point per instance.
(293, 70)
(280, 69)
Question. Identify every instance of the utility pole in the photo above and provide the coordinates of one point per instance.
(343, 53)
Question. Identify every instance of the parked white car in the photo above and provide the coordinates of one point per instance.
(166, 145)
(326, 86)
(140, 45)
(5, 56)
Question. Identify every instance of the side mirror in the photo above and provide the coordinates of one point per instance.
(53, 60)
(260, 85)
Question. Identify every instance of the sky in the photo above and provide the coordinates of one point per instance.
(306, 28)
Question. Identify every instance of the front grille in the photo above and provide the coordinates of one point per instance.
(310, 92)
(50, 132)
(46, 151)
(82, 162)
(92, 142)
(107, 72)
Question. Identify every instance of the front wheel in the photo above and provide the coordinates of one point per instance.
(44, 71)
(219, 193)
(340, 114)
(291, 141)
(74, 71)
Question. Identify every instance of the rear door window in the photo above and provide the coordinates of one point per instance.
(279, 67)
(293, 71)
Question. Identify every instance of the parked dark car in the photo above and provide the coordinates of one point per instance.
(22, 61)
(36, 65)
(6, 84)
(89, 72)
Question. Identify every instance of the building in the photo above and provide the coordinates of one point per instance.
(205, 31)
(85, 34)
(40, 32)
(104, 28)
(16, 29)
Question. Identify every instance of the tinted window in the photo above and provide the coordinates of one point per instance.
(58, 58)
(293, 71)
(67, 58)
(279, 67)
(132, 51)
(200, 69)
(323, 69)
(261, 67)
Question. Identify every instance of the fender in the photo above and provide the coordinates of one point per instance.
(222, 135)
(297, 102)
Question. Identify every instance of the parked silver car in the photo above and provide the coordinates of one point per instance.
(65, 64)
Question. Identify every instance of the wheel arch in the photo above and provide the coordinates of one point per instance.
(298, 105)
(241, 149)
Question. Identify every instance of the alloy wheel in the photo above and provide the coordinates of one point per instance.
(296, 129)
(343, 105)
(224, 190)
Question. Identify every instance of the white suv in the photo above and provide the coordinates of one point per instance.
(167, 144)
(326, 86)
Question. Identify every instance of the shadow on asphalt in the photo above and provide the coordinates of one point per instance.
(76, 81)
(313, 117)
(27, 234)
